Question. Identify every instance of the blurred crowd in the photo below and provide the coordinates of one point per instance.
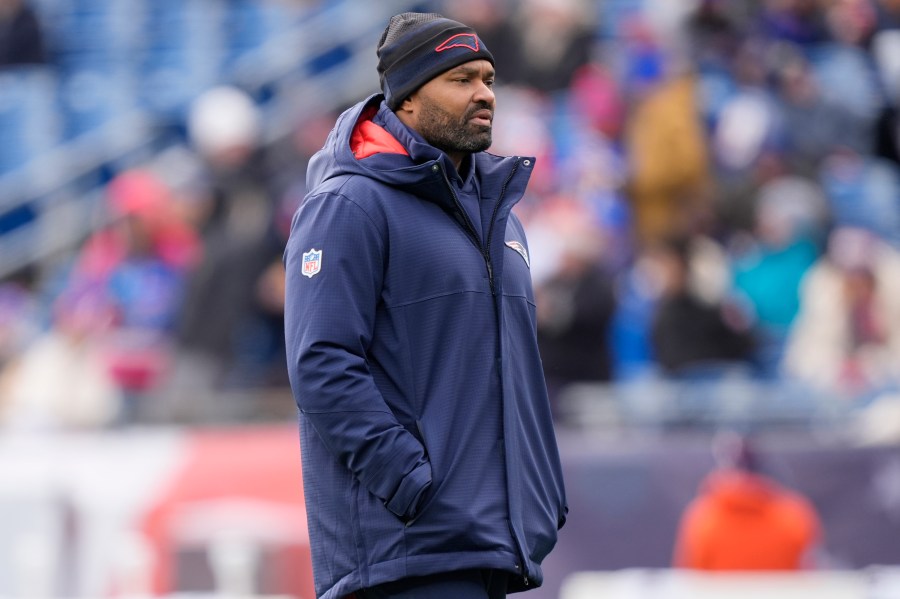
(717, 193)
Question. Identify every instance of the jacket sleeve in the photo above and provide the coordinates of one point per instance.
(329, 321)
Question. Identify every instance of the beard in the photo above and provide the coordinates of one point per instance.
(450, 134)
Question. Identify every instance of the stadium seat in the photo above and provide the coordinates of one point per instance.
(28, 119)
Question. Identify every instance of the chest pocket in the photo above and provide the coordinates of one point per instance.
(434, 259)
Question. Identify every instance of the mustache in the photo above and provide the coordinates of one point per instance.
(479, 106)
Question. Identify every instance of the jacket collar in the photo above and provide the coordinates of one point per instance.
(421, 170)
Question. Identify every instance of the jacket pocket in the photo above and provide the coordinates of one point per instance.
(428, 494)
(404, 504)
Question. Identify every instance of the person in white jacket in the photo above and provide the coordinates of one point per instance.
(846, 337)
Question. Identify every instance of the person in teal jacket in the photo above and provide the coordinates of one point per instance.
(430, 462)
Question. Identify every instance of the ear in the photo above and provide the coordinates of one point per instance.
(408, 104)
(406, 112)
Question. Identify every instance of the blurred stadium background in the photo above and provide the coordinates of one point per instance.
(714, 225)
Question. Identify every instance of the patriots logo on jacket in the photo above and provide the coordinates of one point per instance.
(312, 262)
(460, 40)
(520, 249)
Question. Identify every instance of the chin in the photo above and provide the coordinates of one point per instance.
(483, 138)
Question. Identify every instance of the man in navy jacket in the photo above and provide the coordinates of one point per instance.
(430, 463)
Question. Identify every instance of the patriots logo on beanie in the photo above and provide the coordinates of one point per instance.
(460, 40)
(417, 47)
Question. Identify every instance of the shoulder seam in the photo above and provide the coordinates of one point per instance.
(338, 194)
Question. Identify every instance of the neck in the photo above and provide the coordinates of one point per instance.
(457, 159)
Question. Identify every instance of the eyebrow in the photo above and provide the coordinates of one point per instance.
(464, 70)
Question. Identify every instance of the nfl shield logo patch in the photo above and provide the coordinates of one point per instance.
(312, 262)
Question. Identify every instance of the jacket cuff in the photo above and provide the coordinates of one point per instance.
(405, 502)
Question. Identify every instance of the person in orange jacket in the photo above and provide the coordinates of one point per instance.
(743, 520)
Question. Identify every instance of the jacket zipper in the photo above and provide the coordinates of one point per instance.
(523, 568)
(485, 250)
(485, 253)
(466, 222)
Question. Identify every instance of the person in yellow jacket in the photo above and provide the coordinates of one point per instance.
(667, 150)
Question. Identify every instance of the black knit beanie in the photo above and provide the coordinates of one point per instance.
(417, 47)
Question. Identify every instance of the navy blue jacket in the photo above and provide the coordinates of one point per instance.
(426, 434)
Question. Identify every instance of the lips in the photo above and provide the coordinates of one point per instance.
(482, 117)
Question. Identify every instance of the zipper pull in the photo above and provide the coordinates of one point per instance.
(490, 271)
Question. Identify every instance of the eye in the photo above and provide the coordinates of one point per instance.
(489, 82)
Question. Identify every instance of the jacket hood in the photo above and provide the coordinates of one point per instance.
(369, 140)
(337, 157)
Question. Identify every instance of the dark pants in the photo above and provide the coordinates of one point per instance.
(465, 584)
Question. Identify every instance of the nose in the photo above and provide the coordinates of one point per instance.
(484, 93)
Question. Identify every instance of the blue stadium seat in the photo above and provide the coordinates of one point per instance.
(90, 98)
(28, 122)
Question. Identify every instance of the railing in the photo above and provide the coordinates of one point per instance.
(740, 402)
(327, 61)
